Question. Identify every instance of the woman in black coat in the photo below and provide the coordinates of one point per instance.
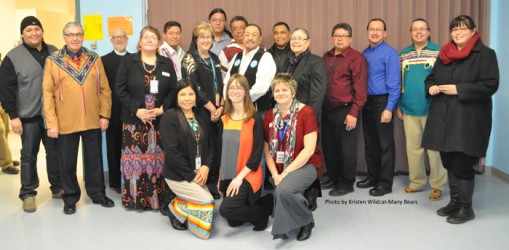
(144, 85)
(185, 135)
(309, 72)
(461, 84)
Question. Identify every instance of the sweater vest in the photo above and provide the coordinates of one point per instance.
(30, 74)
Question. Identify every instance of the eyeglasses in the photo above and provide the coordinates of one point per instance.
(74, 35)
(150, 38)
(298, 39)
(238, 28)
(119, 37)
(421, 29)
(236, 88)
(375, 29)
(217, 20)
(459, 29)
(205, 37)
(340, 36)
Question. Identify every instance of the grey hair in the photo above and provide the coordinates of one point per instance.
(304, 31)
(71, 24)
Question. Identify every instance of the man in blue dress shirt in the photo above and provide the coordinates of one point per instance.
(384, 88)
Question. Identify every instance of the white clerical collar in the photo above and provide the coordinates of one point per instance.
(120, 53)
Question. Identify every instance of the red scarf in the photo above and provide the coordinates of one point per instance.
(450, 53)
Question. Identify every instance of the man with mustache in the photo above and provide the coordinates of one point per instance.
(257, 66)
(384, 88)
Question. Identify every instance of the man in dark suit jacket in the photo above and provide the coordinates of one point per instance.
(111, 62)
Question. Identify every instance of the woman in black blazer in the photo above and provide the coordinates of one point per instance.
(185, 134)
(144, 85)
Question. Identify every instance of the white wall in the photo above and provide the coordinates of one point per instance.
(499, 147)
(8, 29)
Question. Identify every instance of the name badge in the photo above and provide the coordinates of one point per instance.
(166, 74)
(218, 100)
(280, 157)
(198, 162)
(154, 86)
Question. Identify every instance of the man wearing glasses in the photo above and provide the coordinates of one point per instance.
(347, 83)
(111, 63)
(384, 88)
(20, 93)
(257, 66)
(77, 104)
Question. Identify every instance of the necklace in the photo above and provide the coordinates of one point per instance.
(149, 71)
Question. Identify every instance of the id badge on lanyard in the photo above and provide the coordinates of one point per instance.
(154, 86)
(198, 162)
(280, 157)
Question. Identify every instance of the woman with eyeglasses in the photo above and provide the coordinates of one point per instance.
(203, 68)
(185, 135)
(292, 156)
(309, 72)
(461, 84)
(240, 175)
(144, 85)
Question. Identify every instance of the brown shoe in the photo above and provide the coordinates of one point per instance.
(10, 170)
(435, 195)
(29, 204)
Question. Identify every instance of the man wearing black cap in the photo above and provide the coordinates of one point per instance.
(20, 93)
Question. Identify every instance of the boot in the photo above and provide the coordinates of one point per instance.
(465, 212)
(453, 206)
(311, 195)
(267, 202)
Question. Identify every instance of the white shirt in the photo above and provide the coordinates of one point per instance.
(175, 56)
(264, 75)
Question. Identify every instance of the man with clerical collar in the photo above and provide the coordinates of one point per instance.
(257, 66)
(77, 104)
(171, 45)
(111, 62)
(20, 93)
(280, 50)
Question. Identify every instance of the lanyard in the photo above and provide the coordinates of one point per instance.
(196, 130)
(213, 68)
(282, 133)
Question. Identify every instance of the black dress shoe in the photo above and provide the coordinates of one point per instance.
(311, 195)
(339, 191)
(10, 170)
(327, 185)
(379, 191)
(175, 223)
(305, 232)
(70, 208)
(105, 202)
(366, 183)
(280, 236)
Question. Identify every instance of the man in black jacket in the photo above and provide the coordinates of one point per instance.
(111, 62)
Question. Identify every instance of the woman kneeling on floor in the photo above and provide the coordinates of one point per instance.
(185, 133)
(293, 158)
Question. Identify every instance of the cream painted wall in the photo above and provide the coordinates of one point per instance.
(52, 23)
(61, 6)
(8, 28)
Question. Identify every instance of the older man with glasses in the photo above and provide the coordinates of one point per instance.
(77, 104)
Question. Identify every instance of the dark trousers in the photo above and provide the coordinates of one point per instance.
(92, 158)
(339, 146)
(379, 142)
(33, 133)
(114, 149)
(460, 164)
(239, 207)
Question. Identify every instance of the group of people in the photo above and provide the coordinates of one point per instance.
(229, 118)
